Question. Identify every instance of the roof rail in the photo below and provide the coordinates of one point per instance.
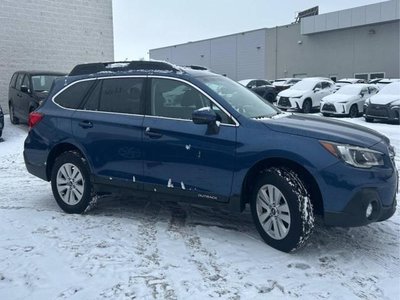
(92, 68)
(194, 67)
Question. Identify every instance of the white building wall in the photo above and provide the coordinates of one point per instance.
(52, 35)
(238, 56)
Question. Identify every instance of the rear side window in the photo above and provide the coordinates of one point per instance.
(121, 95)
(19, 81)
(74, 94)
(13, 80)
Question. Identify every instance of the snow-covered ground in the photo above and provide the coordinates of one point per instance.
(131, 248)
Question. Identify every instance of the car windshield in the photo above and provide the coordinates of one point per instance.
(240, 98)
(42, 83)
(304, 85)
(391, 89)
(349, 89)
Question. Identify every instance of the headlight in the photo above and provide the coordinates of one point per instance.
(296, 97)
(343, 102)
(353, 155)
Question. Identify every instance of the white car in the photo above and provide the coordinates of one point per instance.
(348, 100)
(345, 81)
(385, 81)
(385, 105)
(306, 94)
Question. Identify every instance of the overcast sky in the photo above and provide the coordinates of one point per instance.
(141, 25)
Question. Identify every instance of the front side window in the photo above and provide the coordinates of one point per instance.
(121, 95)
(73, 95)
(326, 85)
(178, 100)
(42, 83)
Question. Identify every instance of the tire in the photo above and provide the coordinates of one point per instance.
(368, 119)
(70, 182)
(13, 119)
(270, 97)
(307, 106)
(353, 112)
(295, 213)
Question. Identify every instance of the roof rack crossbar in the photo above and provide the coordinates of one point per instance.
(92, 68)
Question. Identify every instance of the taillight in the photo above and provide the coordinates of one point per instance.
(34, 118)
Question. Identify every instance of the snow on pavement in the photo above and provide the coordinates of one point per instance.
(136, 249)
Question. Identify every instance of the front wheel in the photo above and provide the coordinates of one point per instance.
(282, 209)
(307, 106)
(70, 182)
(368, 119)
(353, 113)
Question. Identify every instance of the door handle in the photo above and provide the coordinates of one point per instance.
(19, 95)
(152, 135)
(86, 124)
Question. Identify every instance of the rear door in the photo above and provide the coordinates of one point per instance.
(16, 98)
(26, 97)
(180, 157)
(108, 125)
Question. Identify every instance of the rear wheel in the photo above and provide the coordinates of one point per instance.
(353, 113)
(282, 209)
(13, 119)
(307, 106)
(70, 182)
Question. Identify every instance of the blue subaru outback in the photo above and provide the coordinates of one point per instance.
(166, 131)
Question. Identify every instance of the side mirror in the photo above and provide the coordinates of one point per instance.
(361, 94)
(204, 115)
(208, 117)
(316, 90)
(25, 89)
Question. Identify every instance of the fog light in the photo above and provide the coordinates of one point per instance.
(369, 210)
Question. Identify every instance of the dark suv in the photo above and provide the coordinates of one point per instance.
(27, 89)
(162, 130)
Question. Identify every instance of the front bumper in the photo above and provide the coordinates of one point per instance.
(288, 103)
(334, 108)
(347, 192)
(382, 112)
(354, 213)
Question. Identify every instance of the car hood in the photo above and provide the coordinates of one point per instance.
(326, 129)
(383, 99)
(339, 98)
(292, 93)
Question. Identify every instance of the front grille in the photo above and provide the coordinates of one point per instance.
(329, 107)
(284, 101)
(377, 111)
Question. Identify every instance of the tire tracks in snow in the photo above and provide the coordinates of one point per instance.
(147, 249)
(212, 274)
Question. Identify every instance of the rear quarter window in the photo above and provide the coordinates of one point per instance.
(73, 95)
(13, 80)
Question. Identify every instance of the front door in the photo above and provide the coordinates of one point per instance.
(181, 157)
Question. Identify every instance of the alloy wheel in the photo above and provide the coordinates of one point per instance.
(70, 184)
(273, 212)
